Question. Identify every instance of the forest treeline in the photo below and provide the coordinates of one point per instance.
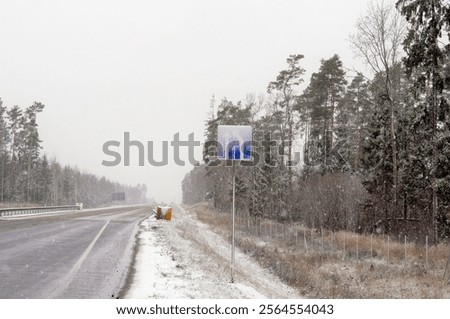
(375, 148)
(27, 177)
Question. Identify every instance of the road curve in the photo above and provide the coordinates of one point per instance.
(84, 254)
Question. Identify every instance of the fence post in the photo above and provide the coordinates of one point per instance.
(270, 228)
(259, 227)
(357, 247)
(288, 237)
(426, 254)
(344, 246)
(266, 229)
(334, 240)
(304, 239)
(263, 229)
(371, 248)
(405, 250)
(321, 232)
(388, 247)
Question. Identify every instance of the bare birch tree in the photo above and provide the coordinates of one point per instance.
(377, 40)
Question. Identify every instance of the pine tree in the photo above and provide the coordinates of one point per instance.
(425, 64)
(68, 186)
(377, 163)
(285, 85)
(44, 181)
(15, 120)
(320, 105)
(269, 178)
(353, 117)
(4, 140)
(32, 146)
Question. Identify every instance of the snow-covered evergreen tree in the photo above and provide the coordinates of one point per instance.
(426, 63)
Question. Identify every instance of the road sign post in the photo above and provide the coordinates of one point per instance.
(234, 145)
(232, 223)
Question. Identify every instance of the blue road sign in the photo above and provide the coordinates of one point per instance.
(234, 142)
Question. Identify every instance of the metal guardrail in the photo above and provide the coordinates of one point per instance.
(7, 212)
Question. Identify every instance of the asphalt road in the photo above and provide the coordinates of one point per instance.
(84, 254)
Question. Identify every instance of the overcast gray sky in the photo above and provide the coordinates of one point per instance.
(151, 67)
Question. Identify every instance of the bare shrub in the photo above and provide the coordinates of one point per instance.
(330, 201)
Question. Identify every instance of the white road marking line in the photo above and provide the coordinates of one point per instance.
(71, 274)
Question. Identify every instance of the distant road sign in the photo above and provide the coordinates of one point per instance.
(235, 142)
(119, 196)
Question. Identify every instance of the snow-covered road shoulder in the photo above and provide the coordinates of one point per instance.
(183, 258)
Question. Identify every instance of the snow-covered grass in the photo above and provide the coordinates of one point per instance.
(184, 258)
(341, 264)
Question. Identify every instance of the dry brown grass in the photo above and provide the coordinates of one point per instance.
(323, 264)
(217, 220)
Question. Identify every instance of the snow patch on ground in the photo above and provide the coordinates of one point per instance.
(183, 258)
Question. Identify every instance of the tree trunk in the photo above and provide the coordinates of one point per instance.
(394, 159)
(434, 159)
